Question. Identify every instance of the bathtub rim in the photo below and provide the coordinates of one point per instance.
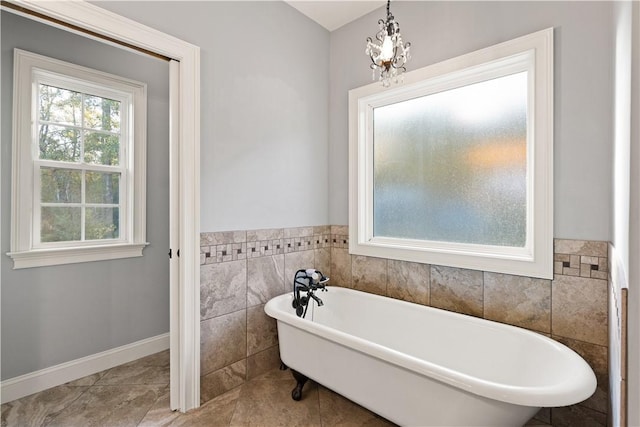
(567, 392)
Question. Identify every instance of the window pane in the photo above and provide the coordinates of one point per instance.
(60, 105)
(102, 187)
(102, 223)
(101, 149)
(60, 224)
(60, 185)
(451, 166)
(101, 113)
(59, 143)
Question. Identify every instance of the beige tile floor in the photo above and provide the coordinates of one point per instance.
(137, 394)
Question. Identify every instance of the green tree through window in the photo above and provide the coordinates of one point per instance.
(79, 144)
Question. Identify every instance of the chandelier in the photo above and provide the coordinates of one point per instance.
(387, 52)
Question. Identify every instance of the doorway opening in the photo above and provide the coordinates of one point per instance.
(184, 81)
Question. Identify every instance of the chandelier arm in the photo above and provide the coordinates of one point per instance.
(380, 34)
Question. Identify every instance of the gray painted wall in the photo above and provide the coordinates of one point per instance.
(52, 315)
(265, 80)
(275, 136)
(583, 90)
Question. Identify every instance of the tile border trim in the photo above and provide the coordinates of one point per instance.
(217, 247)
(581, 258)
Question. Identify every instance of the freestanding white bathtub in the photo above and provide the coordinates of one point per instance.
(421, 366)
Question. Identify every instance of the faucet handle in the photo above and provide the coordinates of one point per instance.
(313, 274)
(316, 277)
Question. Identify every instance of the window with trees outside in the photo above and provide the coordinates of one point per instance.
(78, 163)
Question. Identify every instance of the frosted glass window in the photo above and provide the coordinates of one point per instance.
(454, 167)
(451, 166)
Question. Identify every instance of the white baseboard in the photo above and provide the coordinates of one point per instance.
(37, 381)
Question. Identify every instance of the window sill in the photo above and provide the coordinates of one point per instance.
(59, 256)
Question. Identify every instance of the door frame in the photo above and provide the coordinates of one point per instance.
(185, 309)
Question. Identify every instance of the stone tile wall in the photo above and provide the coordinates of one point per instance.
(618, 296)
(239, 340)
(571, 308)
(239, 272)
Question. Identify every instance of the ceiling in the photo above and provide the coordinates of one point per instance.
(333, 14)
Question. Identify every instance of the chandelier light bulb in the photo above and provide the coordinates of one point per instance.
(386, 52)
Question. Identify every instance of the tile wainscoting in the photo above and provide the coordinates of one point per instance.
(239, 272)
(242, 270)
(618, 299)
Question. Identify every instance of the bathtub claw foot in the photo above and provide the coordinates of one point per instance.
(296, 393)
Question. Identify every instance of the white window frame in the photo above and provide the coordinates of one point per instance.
(532, 53)
(26, 249)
